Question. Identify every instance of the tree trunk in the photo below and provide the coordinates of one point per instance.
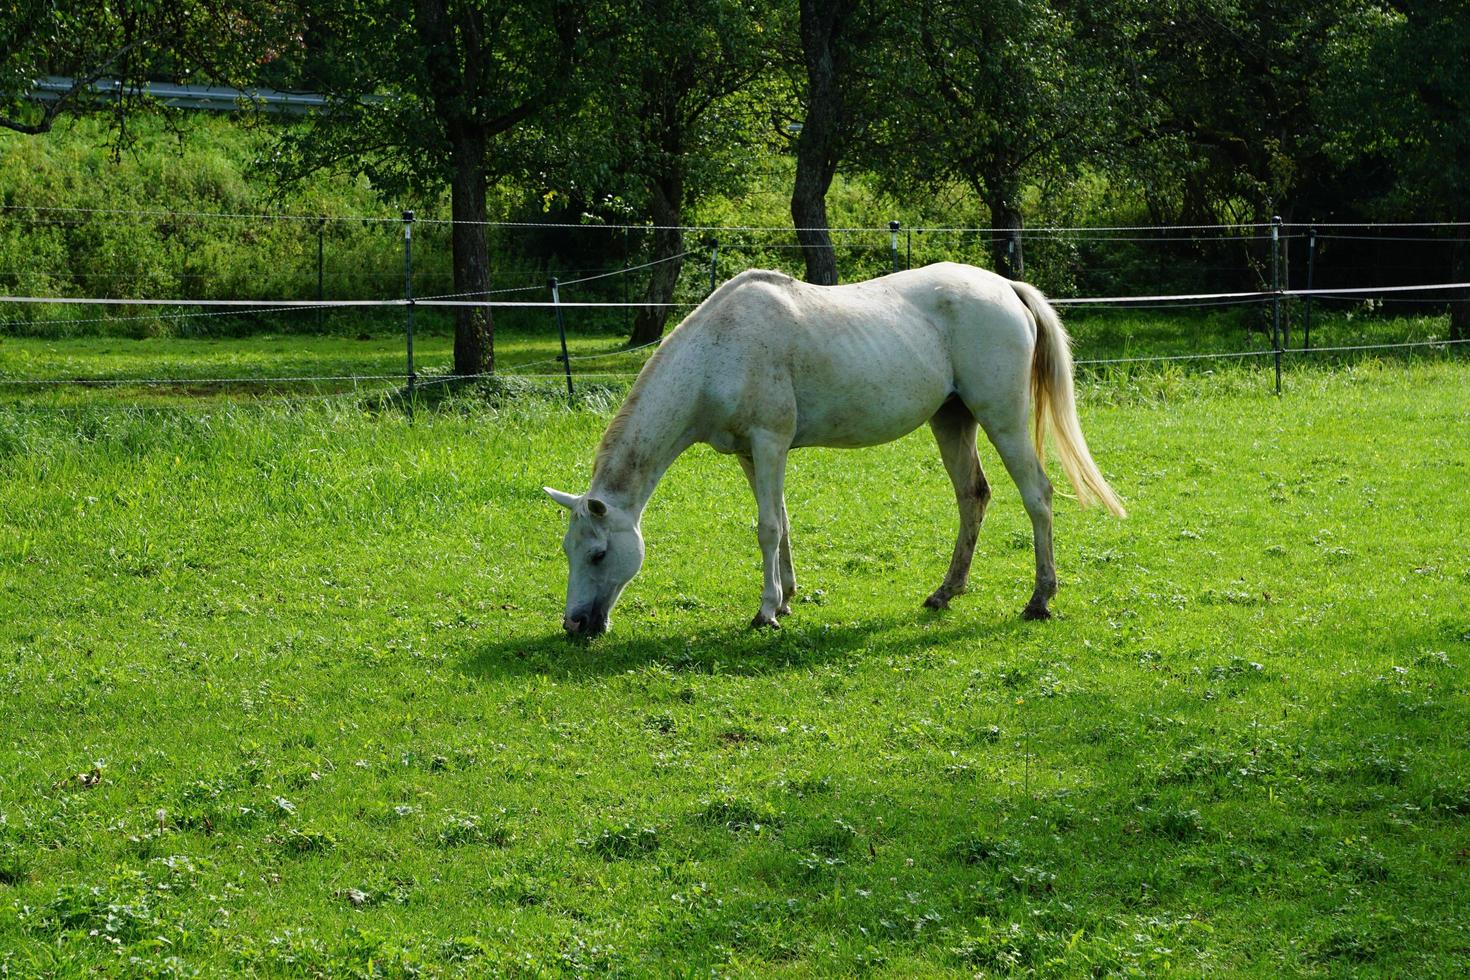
(809, 213)
(474, 329)
(1006, 254)
(665, 196)
(819, 146)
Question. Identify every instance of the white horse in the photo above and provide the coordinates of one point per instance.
(768, 363)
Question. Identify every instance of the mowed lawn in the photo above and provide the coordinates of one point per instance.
(282, 691)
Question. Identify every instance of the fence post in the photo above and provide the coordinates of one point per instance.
(1311, 262)
(561, 329)
(714, 262)
(321, 225)
(627, 261)
(893, 227)
(908, 259)
(408, 302)
(1276, 294)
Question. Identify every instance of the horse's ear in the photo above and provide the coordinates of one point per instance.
(596, 507)
(567, 500)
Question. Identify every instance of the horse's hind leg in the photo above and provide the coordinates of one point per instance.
(783, 553)
(955, 429)
(1019, 455)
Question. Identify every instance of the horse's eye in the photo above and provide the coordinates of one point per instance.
(597, 557)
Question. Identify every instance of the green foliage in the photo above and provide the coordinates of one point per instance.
(66, 232)
(127, 44)
(1403, 102)
(414, 86)
(1001, 96)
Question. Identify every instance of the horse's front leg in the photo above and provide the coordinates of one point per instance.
(787, 566)
(768, 480)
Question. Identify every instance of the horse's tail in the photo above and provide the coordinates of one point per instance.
(1055, 403)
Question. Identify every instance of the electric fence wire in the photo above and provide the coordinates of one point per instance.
(16, 210)
(1431, 239)
(452, 300)
(625, 269)
(518, 370)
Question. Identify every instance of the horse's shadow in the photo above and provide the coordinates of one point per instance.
(731, 649)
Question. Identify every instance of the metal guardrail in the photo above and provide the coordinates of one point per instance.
(211, 98)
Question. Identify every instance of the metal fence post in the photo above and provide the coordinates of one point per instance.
(1276, 294)
(321, 225)
(893, 227)
(408, 302)
(714, 262)
(1311, 262)
(561, 329)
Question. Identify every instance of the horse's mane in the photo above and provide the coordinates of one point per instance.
(651, 366)
(620, 420)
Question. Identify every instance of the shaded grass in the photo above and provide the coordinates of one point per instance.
(284, 693)
(269, 365)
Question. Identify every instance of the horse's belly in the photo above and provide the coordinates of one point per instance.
(868, 414)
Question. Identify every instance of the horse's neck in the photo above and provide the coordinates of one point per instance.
(650, 431)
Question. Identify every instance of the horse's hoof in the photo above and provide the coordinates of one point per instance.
(1035, 612)
(936, 601)
(784, 609)
(764, 622)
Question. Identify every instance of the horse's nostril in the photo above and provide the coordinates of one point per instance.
(575, 624)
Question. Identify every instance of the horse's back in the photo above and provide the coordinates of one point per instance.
(963, 304)
(858, 364)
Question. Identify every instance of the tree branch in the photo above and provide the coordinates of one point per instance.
(79, 85)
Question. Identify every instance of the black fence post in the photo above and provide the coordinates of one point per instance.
(1307, 314)
(321, 225)
(408, 302)
(1276, 294)
(714, 262)
(561, 329)
(893, 227)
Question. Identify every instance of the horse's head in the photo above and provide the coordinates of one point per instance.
(604, 550)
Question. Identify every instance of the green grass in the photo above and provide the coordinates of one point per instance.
(274, 361)
(283, 693)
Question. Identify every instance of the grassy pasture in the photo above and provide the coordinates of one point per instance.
(283, 693)
(372, 346)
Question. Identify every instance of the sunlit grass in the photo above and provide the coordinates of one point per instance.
(283, 692)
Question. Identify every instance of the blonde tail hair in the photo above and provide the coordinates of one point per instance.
(1055, 404)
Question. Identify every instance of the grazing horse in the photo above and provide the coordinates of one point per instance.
(767, 364)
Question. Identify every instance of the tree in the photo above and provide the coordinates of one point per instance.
(1410, 100)
(1237, 97)
(422, 92)
(839, 57)
(682, 88)
(124, 45)
(997, 96)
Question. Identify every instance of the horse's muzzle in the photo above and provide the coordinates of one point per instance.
(585, 623)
